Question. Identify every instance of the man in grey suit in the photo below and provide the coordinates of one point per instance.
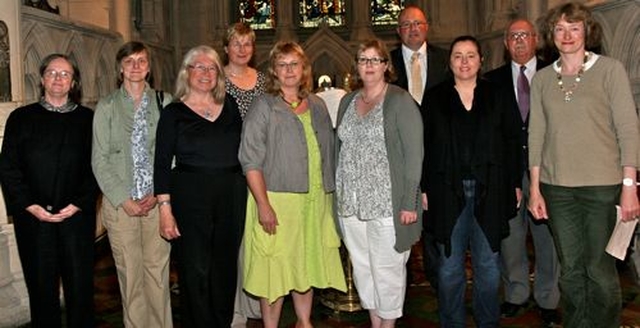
(431, 65)
(514, 77)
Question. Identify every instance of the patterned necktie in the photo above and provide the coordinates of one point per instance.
(523, 94)
(416, 78)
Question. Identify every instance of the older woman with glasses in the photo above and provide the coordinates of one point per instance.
(379, 154)
(45, 170)
(291, 244)
(202, 198)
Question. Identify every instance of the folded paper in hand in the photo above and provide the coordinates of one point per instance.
(621, 236)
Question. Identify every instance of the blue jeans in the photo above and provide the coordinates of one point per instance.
(452, 277)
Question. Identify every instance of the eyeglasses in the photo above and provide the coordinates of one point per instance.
(519, 35)
(408, 25)
(373, 61)
(203, 69)
(63, 75)
(285, 66)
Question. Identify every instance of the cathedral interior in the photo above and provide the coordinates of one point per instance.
(91, 31)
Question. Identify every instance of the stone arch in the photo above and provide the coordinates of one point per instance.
(620, 41)
(626, 41)
(105, 78)
(31, 75)
(329, 55)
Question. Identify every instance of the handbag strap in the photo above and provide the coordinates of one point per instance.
(160, 99)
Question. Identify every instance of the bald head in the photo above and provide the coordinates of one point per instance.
(412, 27)
(521, 40)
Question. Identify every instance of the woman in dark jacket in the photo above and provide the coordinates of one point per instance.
(470, 179)
(45, 170)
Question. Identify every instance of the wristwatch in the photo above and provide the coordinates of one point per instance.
(628, 182)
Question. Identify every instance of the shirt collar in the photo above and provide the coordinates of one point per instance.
(407, 52)
(531, 65)
(592, 60)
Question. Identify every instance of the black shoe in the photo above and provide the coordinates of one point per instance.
(550, 317)
(510, 310)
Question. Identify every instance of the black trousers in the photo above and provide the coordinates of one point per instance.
(51, 252)
(210, 213)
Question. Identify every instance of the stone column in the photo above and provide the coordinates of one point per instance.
(535, 9)
(121, 18)
(14, 303)
(285, 26)
(361, 15)
(501, 15)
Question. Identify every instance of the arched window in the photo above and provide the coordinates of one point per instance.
(315, 12)
(385, 12)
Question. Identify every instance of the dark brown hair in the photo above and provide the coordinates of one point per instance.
(130, 48)
(75, 93)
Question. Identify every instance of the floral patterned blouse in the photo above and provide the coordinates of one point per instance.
(244, 97)
(363, 178)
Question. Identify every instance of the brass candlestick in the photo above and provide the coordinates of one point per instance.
(337, 300)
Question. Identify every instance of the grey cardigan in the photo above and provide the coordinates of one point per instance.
(274, 143)
(404, 141)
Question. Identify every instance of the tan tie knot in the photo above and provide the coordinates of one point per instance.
(415, 56)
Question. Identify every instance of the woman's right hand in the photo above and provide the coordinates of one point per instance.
(168, 226)
(537, 206)
(132, 208)
(267, 218)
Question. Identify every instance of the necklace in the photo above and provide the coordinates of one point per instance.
(568, 92)
(293, 104)
(236, 74)
(368, 102)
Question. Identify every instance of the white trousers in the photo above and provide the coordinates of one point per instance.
(379, 271)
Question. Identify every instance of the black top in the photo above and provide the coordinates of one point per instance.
(495, 163)
(46, 160)
(196, 143)
(467, 126)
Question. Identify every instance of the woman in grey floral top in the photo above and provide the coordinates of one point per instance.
(380, 149)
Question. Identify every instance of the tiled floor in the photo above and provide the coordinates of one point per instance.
(420, 307)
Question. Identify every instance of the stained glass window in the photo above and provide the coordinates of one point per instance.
(260, 14)
(314, 12)
(385, 12)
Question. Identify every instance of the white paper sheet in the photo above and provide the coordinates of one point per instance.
(621, 236)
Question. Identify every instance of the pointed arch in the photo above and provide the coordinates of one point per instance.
(329, 54)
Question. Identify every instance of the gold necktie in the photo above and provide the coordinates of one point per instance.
(417, 88)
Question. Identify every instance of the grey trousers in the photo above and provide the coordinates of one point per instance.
(515, 261)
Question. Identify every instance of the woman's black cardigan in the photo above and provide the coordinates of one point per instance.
(496, 162)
